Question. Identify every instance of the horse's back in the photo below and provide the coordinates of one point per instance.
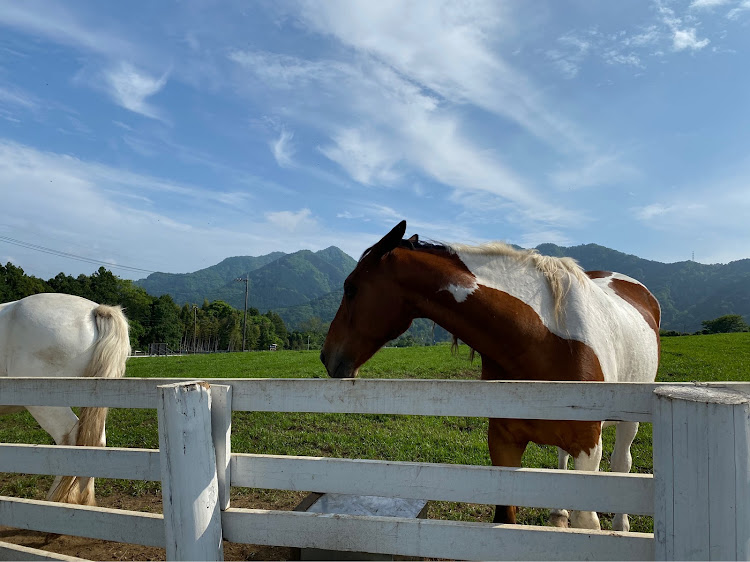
(48, 334)
(632, 321)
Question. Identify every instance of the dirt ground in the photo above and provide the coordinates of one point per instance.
(93, 549)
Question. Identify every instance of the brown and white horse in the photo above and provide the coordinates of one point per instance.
(56, 335)
(530, 317)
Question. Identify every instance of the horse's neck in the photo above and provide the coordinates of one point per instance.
(475, 296)
(506, 312)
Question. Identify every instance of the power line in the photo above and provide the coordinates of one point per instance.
(61, 254)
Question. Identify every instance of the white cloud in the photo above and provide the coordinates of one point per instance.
(292, 221)
(366, 158)
(612, 56)
(130, 88)
(708, 3)
(686, 39)
(284, 71)
(283, 150)
(736, 12)
(55, 23)
(17, 97)
(400, 128)
(451, 53)
(653, 210)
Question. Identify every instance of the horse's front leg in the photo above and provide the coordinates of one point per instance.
(590, 462)
(622, 461)
(560, 517)
(504, 451)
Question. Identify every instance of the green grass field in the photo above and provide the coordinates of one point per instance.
(402, 438)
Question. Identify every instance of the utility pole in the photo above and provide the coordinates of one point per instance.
(245, 280)
(195, 325)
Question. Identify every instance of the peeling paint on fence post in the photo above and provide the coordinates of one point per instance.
(701, 474)
(190, 492)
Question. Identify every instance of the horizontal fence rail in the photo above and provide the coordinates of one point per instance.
(524, 400)
(430, 538)
(84, 521)
(585, 491)
(69, 460)
(10, 551)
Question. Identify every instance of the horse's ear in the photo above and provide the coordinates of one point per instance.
(414, 239)
(390, 241)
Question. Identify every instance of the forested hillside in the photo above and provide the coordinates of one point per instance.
(689, 292)
(277, 280)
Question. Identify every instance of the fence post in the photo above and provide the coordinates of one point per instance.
(221, 432)
(701, 438)
(190, 495)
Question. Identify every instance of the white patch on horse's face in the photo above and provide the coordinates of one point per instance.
(461, 292)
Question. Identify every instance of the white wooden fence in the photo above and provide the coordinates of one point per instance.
(698, 494)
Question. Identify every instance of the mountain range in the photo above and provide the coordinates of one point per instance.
(306, 284)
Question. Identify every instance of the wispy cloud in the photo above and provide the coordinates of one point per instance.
(56, 23)
(449, 53)
(130, 88)
(293, 221)
(736, 12)
(366, 158)
(283, 150)
(401, 128)
(707, 4)
(17, 97)
(600, 171)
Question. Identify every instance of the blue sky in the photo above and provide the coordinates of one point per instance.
(167, 136)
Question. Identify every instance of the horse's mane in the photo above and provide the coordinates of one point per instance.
(559, 272)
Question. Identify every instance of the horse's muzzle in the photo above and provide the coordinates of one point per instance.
(338, 368)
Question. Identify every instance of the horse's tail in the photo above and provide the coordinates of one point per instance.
(110, 352)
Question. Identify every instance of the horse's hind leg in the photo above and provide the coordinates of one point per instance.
(559, 517)
(621, 462)
(62, 425)
(590, 461)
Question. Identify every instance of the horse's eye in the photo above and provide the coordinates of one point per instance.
(350, 291)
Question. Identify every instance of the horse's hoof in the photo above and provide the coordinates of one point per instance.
(558, 520)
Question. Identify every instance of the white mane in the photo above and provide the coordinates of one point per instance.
(559, 272)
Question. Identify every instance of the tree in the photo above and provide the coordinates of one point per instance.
(165, 322)
(15, 284)
(725, 324)
(279, 327)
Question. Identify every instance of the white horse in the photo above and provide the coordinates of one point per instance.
(52, 334)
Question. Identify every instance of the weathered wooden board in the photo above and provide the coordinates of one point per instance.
(110, 462)
(429, 538)
(536, 400)
(84, 521)
(702, 477)
(9, 551)
(586, 491)
(190, 489)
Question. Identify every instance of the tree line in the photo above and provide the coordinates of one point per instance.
(212, 326)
